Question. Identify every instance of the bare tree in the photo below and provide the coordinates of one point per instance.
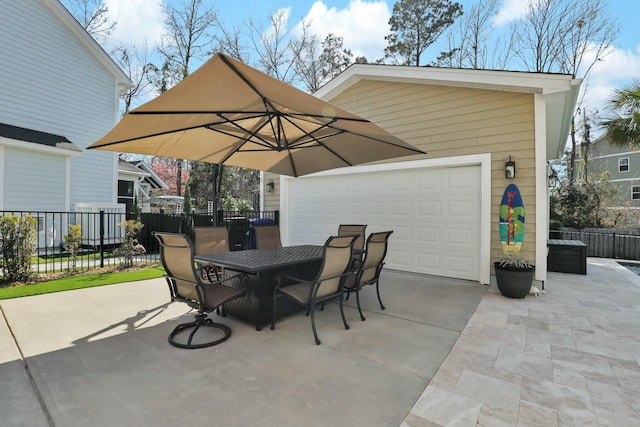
(277, 47)
(190, 27)
(558, 36)
(230, 41)
(308, 66)
(319, 62)
(472, 42)
(189, 33)
(137, 64)
(93, 15)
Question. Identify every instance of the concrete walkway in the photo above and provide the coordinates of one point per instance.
(100, 357)
(444, 353)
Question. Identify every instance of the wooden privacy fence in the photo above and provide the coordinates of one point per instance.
(604, 243)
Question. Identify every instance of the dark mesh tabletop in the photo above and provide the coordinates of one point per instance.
(257, 260)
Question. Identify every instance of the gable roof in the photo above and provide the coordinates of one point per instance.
(560, 91)
(89, 42)
(140, 168)
(36, 137)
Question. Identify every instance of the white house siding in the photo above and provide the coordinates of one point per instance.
(33, 186)
(51, 82)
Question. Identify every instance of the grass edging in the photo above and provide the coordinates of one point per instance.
(80, 281)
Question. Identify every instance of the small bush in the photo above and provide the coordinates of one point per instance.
(72, 243)
(130, 245)
(18, 245)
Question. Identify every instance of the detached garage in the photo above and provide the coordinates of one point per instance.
(443, 206)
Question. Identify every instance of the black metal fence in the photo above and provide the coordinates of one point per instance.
(604, 243)
(102, 234)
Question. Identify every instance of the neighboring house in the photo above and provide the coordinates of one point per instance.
(59, 92)
(444, 206)
(622, 168)
(137, 179)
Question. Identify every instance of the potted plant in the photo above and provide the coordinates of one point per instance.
(514, 276)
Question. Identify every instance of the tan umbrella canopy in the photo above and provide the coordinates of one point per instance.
(229, 113)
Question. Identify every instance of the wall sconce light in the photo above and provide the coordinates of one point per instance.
(270, 186)
(510, 168)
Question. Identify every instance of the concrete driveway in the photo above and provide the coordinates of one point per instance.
(100, 357)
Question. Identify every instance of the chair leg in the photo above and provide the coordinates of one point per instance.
(344, 320)
(358, 303)
(201, 321)
(313, 323)
(273, 319)
(379, 300)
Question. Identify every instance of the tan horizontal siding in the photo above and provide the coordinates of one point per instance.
(453, 121)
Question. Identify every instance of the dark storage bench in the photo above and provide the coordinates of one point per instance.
(567, 256)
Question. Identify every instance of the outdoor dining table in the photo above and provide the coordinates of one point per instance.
(264, 267)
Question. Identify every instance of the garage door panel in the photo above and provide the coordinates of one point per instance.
(459, 208)
(428, 262)
(428, 235)
(429, 183)
(376, 208)
(435, 215)
(400, 209)
(400, 258)
(429, 208)
(462, 238)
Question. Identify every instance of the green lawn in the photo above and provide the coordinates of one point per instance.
(79, 281)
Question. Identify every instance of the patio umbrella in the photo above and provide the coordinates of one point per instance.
(229, 113)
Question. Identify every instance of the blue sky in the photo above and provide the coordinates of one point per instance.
(364, 23)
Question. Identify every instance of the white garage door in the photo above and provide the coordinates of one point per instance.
(434, 213)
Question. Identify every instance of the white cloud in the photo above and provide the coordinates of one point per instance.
(512, 10)
(614, 71)
(362, 25)
(137, 22)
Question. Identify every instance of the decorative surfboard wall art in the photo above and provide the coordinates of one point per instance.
(511, 220)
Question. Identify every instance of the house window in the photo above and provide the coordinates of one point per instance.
(635, 192)
(125, 194)
(623, 164)
(125, 188)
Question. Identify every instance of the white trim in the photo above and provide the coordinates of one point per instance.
(262, 189)
(626, 154)
(2, 169)
(622, 180)
(628, 165)
(482, 160)
(34, 146)
(67, 184)
(542, 189)
(512, 81)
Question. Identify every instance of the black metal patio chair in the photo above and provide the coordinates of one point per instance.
(186, 285)
(326, 286)
(369, 271)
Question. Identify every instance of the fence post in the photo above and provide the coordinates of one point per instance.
(102, 238)
(613, 249)
(276, 217)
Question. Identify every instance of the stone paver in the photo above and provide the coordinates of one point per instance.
(569, 357)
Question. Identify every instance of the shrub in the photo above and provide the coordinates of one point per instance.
(130, 245)
(18, 245)
(72, 243)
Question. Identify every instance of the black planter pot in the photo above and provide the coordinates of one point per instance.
(514, 282)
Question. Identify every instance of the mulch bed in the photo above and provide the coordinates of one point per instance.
(45, 277)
